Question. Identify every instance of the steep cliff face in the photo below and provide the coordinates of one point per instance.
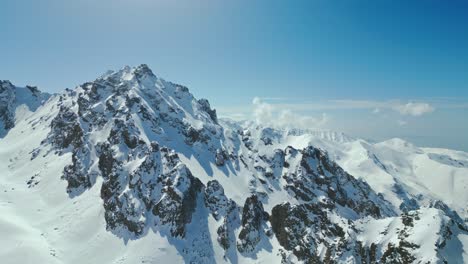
(157, 165)
(12, 98)
(7, 106)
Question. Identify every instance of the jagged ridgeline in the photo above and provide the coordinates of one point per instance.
(12, 97)
(163, 161)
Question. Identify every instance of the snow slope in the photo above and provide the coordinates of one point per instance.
(399, 170)
(131, 168)
(404, 172)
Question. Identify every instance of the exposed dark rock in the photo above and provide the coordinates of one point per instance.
(176, 207)
(215, 199)
(147, 187)
(220, 157)
(301, 228)
(143, 71)
(318, 175)
(66, 130)
(106, 160)
(76, 174)
(253, 216)
(226, 236)
(397, 254)
(7, 111)
(205, 106)
(449, 212)
(193, 135)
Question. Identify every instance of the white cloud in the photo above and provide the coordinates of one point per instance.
(402, 122)
(413, 109)
(274, 116)
(410, 108)
(375, 106)
(285, 111)
(263, 112)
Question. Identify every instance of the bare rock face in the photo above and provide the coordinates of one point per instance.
(220, 157)
(231, 221)
(66, 130)
(215, 199)
(7, 111)
(179, 198)
(205, 106)
(253, 217)
(76, 173)
(11, 97)
(317, 175)
(303, 227)
(223, 208)
(193, 135)
(66, 133)
(400, 253)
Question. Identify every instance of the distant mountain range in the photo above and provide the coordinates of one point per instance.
(130, 168)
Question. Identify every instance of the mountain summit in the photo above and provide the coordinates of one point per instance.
(132, 168)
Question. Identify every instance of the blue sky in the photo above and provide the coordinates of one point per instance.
(375, 69)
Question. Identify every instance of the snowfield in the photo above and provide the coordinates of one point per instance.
(131, 168)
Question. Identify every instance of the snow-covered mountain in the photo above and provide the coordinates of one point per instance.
(16, 102)
(130, 168)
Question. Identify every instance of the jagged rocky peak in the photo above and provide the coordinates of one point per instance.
(216, 200)
(7, 99)
(138, 93)
(12, 97)
(139, 72)
(133, 119)
(316, 177)
(253, 227)
(6, 87)
(166, 165)
(303, 228)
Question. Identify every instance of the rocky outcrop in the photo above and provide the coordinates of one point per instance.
(160, 187)
(179, 196)
(66, 134)
(318, 176)
(11, 97)
(220, 157)
(7, 98)
(66, 130)
(222, 208)
(215, 199)
(205, 106)
(129, 128)
(253, 218)
(193, 135)
(302, 228)
(231, 221)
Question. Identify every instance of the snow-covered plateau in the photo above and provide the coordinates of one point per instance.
(130, 168)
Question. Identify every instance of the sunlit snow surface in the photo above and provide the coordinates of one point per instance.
(40, 223)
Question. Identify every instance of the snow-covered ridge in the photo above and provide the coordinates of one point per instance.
(22, 99)
(132, 168)
(407, 175)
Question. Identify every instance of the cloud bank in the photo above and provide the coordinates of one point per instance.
(406, 109)
(414, 109)
(270, 115)
(288, 112)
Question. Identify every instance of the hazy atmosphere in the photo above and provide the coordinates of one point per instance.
(372, 69)
(237, 132)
